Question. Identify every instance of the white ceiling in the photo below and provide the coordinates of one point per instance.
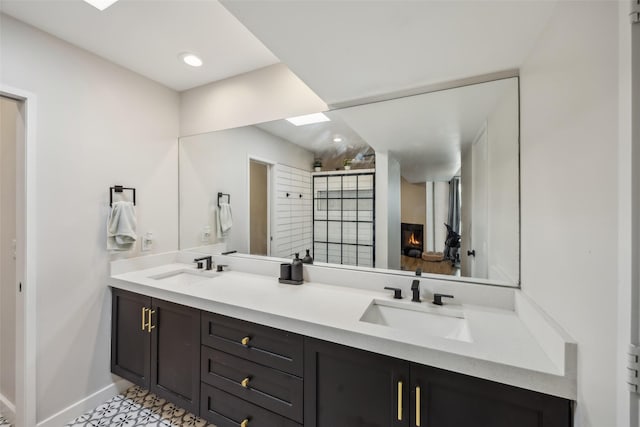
(346, 50)
(426, 133)
(318, 137)
(146, 36)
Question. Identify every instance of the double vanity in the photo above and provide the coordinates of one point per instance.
(239, 349)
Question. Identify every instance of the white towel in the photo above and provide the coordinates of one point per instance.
(225, 220)
(121, 227)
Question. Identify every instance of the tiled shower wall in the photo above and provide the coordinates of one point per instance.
(293, 215)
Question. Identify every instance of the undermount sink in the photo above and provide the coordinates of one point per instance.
(184, 276)
(421, 319)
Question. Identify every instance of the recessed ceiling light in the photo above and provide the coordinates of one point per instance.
(190, 59)
(308, 119)
(101, 4)
(337, 139)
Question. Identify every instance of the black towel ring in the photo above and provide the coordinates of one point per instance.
(220, 195)
(120, 189)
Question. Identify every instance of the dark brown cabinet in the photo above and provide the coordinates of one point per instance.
(175, 354)
(269, 388)
(447, 399)
(271, 347)
(251, 374)
(156, 345)
(345, 387)
(130, 340)
(226, 410)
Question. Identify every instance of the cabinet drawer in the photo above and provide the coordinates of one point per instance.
(274, 390)
(226, 410)
(270, 347)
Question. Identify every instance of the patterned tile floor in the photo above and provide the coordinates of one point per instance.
(138, 407)
(4, 422)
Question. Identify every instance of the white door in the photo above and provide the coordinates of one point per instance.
(634, 402)
(479, 210)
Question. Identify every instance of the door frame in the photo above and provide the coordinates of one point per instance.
(26, 272)
(483, 132)
(628, 277)
(270, 182)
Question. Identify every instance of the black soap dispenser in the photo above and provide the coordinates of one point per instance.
(307, 258)
(296, 269)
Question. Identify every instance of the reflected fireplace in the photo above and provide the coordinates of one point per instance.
(412, 236)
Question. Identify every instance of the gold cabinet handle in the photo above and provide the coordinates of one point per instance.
(149, 325)
(245, 341)
(245, 382)
(244, 422)
(144, 323)
(399, 400)
(417, 406)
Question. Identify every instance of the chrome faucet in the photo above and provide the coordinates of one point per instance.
(415, 288)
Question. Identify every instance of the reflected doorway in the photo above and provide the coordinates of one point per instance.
(259, 203)
(11, 127)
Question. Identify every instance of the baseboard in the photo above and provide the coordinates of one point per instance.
(88, 403)
(8, 409)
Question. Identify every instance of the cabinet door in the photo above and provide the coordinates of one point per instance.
(130, 340)
(345, 387)
(441, 398)
(175, 354)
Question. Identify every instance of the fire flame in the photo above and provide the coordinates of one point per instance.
(413, 240)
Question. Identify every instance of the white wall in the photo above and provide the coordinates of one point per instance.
(97, 125)
(218, 162)
(387, 222)
(394, 230)
(503, 219)
(440, 213)
(8, 134)
(569, 162)
(270, 93)
(437, 214)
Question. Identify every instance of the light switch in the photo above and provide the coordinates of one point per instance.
(147, 241)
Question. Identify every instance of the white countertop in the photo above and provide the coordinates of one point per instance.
(503, 347)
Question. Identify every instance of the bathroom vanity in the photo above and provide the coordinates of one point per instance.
(240, 349)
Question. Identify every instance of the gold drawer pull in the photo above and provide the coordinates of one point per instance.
(245, 341)
(245, 382)
(144, 323)
(399, 400)
(417, 406)
(149, 325)
(244, 422)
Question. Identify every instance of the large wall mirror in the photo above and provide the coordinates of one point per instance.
(428, 181)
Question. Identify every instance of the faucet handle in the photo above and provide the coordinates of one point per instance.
(415, 288)
(397, 292)
(220, 267)
(418, 271)
(207, 259)
(437, 298)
